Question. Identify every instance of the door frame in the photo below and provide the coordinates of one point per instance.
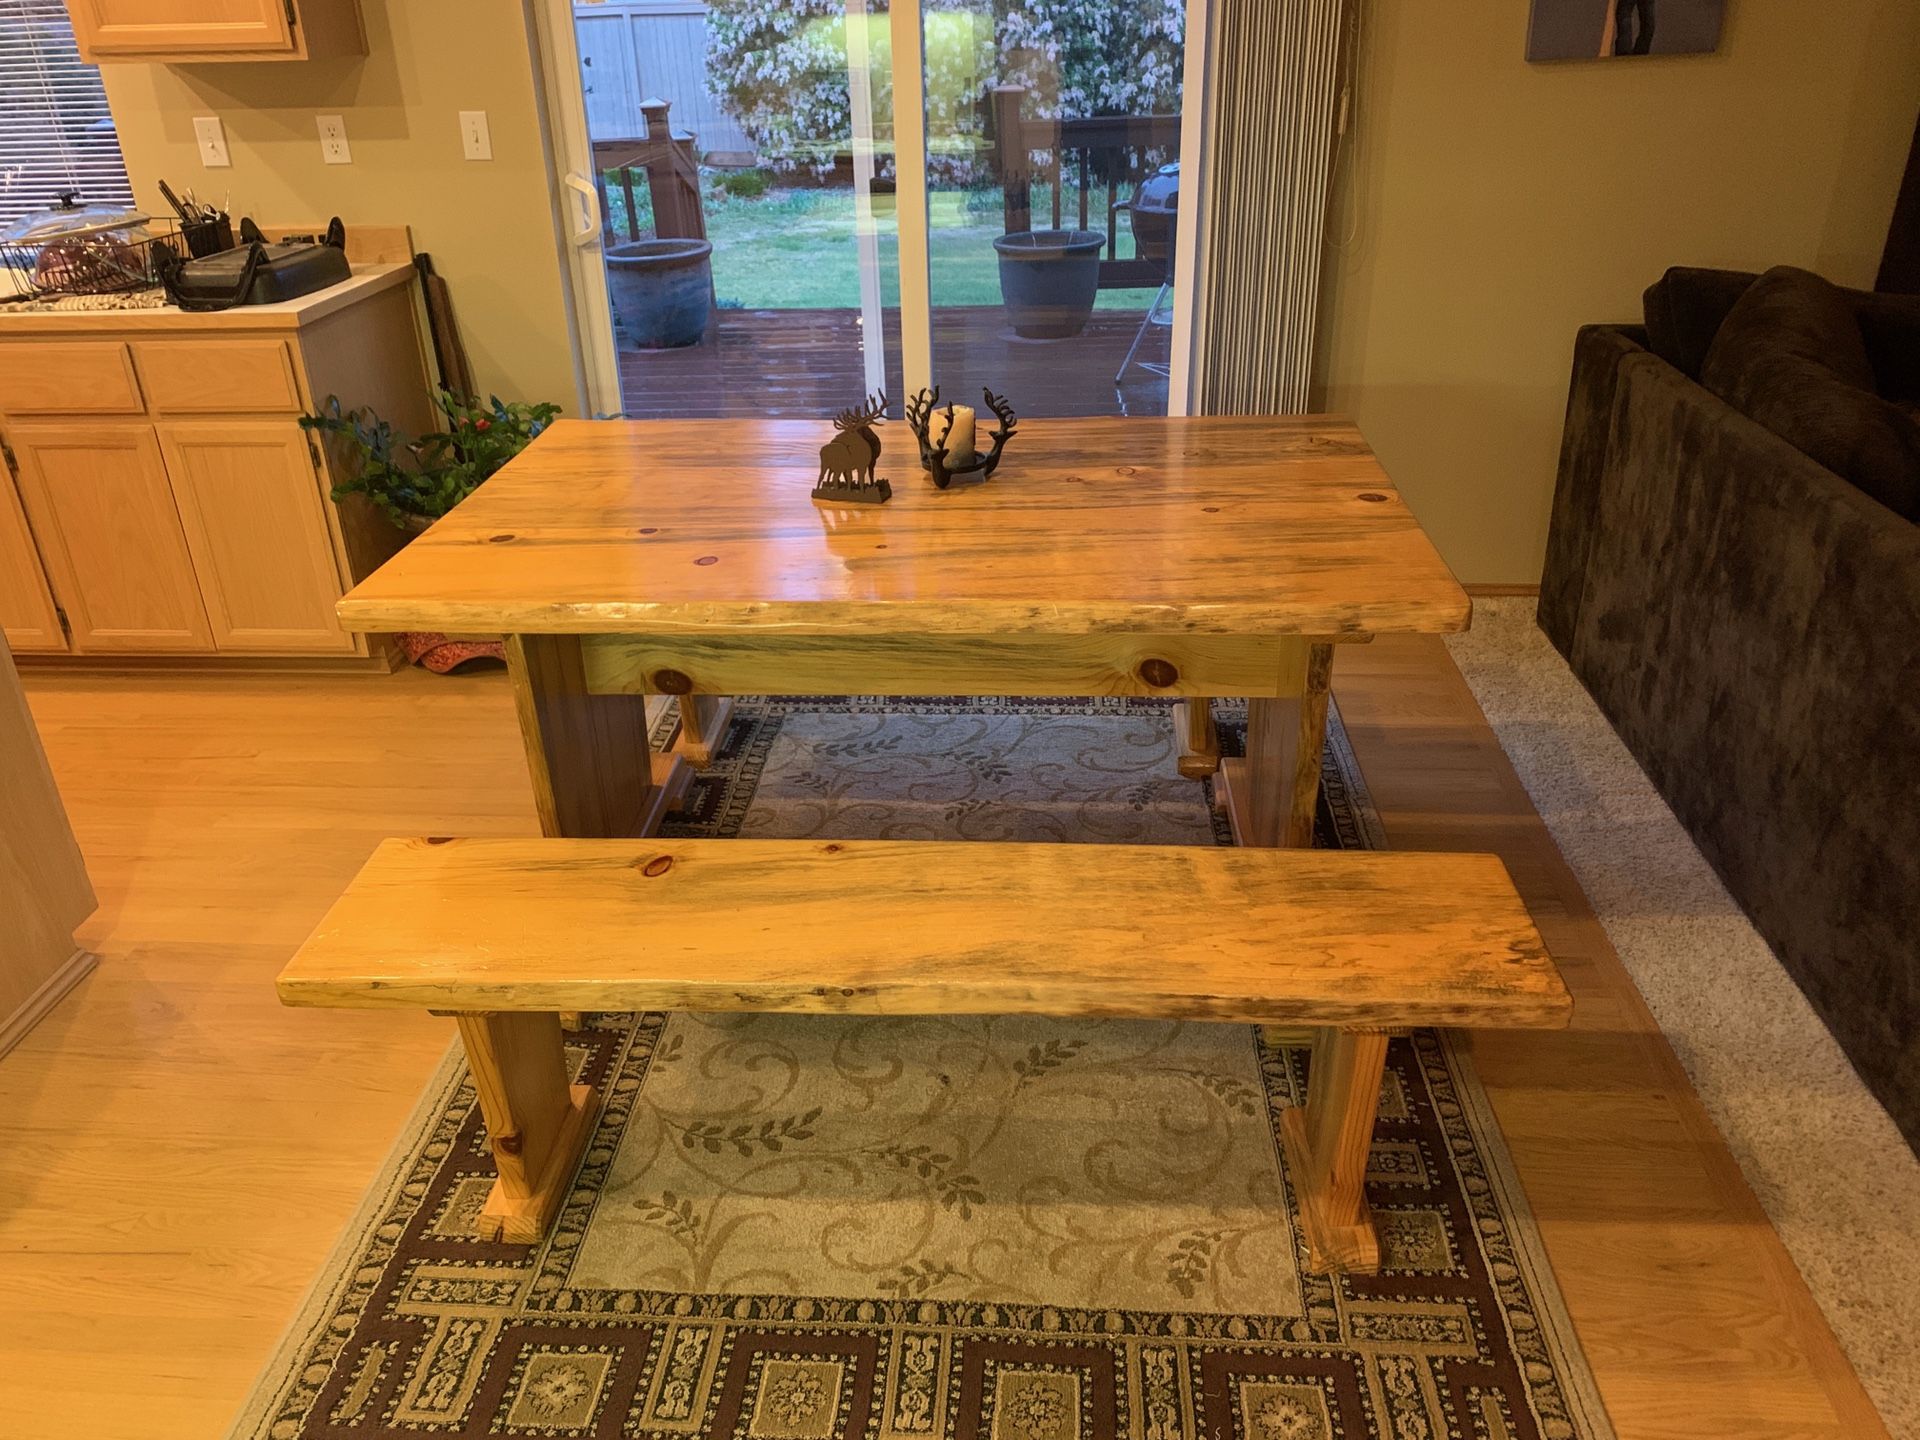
(579, 224)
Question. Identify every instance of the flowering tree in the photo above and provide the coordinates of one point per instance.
(780, 66)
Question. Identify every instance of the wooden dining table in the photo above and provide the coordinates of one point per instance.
(1189, 559)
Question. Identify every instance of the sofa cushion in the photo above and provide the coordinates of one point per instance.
(1790, 357)
(1683, 310)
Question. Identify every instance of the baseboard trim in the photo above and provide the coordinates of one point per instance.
(52, 990)
(1493, 591)
(384, 661)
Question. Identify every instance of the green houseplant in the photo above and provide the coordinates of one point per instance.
(415, 482)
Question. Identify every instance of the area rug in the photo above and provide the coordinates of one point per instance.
(791, 1227)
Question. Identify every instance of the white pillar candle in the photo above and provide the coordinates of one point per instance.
(953, 428)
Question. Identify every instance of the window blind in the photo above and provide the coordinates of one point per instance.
(56, 133)
(1271, 121)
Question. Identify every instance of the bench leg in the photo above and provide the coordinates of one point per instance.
(1197, 737)
(537, 1124)
(1326, 1143)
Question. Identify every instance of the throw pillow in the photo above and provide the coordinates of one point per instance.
(1789, 356)
(1683, 310)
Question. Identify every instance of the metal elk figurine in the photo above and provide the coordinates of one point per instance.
(847, 460)
(920, 411)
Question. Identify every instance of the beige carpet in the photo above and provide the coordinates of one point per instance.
(1835, 1177)
(1024, 1229)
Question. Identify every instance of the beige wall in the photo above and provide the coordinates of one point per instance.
(1495, 206)
(488, 224)
(1491, 206)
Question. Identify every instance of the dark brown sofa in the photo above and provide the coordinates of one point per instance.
(1749, 621)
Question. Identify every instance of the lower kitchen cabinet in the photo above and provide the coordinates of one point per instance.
(28, 617)
(99, 501)
(250, 503)
(164, 501)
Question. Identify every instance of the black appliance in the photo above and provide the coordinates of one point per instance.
(256, 273)
(1156, 212)
(1155, 207)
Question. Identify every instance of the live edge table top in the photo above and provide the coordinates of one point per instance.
(1243, 525)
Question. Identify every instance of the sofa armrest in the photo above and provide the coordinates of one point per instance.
(1598, 352)
(1751, 627)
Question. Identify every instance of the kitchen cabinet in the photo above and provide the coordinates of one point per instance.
(99, 501)
(199, 31)
(163, 498)
(258, 534)
(28, 617)
(70, 378)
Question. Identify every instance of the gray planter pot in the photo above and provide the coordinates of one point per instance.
(662, 291)
(1048, 279)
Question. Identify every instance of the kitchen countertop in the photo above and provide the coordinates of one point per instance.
(366, 280)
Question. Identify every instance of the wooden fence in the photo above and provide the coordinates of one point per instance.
(635, 50)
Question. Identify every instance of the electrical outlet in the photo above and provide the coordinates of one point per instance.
(211, 138)
(333, 140)
(475, 139)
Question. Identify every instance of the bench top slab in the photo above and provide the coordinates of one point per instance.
(1280, 525)
(1355, 939)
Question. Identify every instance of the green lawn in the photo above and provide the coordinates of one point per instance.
(794, 249)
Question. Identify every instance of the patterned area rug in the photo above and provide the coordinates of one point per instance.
(793, 1227)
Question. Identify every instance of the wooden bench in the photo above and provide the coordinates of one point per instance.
(506, 933)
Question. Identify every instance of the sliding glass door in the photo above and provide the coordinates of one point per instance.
(777, 208)
(741, 210)
(1053, 142)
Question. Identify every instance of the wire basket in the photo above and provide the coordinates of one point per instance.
(106, 262)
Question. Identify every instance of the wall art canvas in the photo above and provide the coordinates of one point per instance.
(1606, 29)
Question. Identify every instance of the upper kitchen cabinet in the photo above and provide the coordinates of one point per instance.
(196, 31)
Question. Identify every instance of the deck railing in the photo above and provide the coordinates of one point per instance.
(672, 168)
(1122, 150)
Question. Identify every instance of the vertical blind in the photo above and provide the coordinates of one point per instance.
(1270, 119)
(55, 130)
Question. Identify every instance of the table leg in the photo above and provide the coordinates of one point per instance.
(1197, 737)
(592, 771)
(703, 728)
(1272, 794)
(537, 1124)
(1326, 1143)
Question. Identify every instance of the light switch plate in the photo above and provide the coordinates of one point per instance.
(211, 138)
(476, 140)
(333, 140)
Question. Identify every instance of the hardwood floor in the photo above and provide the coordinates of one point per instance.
(178, 1152)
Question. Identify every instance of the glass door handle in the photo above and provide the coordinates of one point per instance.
(590, 219)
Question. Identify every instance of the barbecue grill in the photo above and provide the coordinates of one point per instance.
(1155, 206)
(1155, 209)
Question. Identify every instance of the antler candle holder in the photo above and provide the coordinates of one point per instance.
(923, 417)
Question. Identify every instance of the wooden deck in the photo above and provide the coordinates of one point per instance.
(804, 364)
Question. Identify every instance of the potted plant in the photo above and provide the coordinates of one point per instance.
(662, 291)
(415, 482)
(1048, 279)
